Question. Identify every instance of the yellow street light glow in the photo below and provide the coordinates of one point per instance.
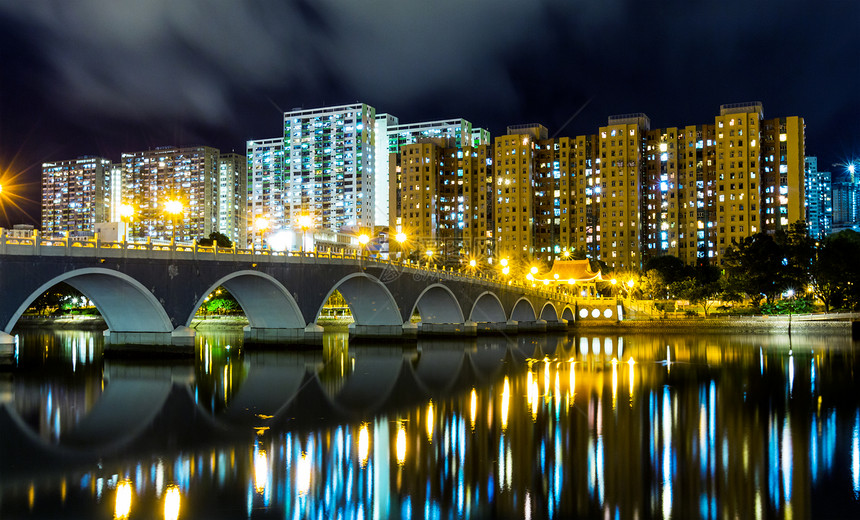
(173, 207)
(506, 270)
(429, 252)
(261, 223)
(613, 281)
(363, 445)
(630, 283)
(504, 262)
(126, 210)
(530, 277)
(533, 270)
(400, 237)
(123, 500)
(473, 263)
(363, 239)
(565, 253)
(305, 221)
(171, 503)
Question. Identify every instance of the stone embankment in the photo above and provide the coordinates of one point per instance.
(801, 324)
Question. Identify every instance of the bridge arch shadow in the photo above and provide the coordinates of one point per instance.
(568, 314)
(488, 309)
(369, 301)
(124, 303)
(523, 311)
(266, 302)
(437, 304)
(549, 312)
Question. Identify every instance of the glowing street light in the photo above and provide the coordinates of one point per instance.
(533, 270)
(261, 224)
(305, 222)
(173, 208)
(401, 239)
(126, 212)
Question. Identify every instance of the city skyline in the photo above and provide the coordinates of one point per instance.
(97, 79)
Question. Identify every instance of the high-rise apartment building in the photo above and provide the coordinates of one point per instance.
(329, 167)
(819, 200)
(441, 197)
(232, 197)
(515, 165)
(75, 195)
(267, 188)
(173, 192)
(380, 198)
(620, 189)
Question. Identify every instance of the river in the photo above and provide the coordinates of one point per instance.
(547, 426)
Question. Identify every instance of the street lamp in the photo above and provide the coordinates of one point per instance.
(173, 208)
(305, 221)
(261, 224)
(401, 239)
(790, 295)
(363, 240)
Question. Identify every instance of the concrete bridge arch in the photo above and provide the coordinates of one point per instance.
(265, 300)
(523, 311)
(124, 303)
(437, 304)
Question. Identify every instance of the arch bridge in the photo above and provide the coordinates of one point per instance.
(148, 294)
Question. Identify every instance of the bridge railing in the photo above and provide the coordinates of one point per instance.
(15, 242)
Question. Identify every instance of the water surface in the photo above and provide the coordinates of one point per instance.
(595, 426)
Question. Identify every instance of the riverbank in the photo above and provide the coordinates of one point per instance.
(806, 324)
(813, 324)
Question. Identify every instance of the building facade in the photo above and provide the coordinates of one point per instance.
(819, 200)
(76, 195)
(329, 161)
(173, 192)
(232, 197)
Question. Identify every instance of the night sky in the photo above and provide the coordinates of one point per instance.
(99, 77)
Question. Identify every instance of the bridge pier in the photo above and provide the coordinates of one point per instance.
(531, 326)
(560, 325)
(178, 342)
(376, 331)
(6, 339)
(469, 329)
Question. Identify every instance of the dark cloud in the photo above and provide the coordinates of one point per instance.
(102, 76)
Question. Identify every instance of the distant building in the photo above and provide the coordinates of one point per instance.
(329, 161)
(233, 197)
(154, 180)
(441, 196)
(819, 200)
(75, 195)
(267, 186)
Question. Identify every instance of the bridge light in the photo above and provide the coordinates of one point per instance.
(504, 262)
(400, 237)
(473, 263)
(429, 253)
(533, 270)
(506, 270)
(363, 239)
(173, 207)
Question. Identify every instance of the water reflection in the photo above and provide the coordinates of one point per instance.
(537, 427)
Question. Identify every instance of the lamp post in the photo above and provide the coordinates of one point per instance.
(305, 221)
(401, 239)
(261, 224)
(173, 208)
(126, 215)
(363, 240)
(790, 295)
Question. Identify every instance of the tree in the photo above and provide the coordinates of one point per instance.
(671, 268)
(653, 285)
(216, 238)
(835, 277)
(757, 266)
(799, 252)
(704, 294)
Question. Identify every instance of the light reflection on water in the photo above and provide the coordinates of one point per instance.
(538, 427)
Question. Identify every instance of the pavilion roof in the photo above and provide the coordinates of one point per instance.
(566, 270)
